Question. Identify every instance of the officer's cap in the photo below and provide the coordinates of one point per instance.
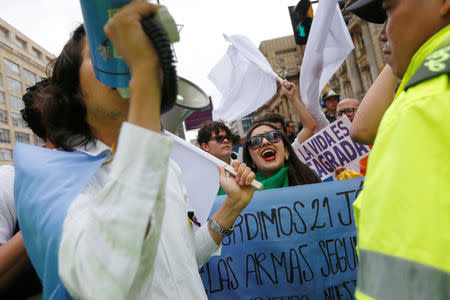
(369, 10)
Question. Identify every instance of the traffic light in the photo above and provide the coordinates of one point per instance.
(301, 19)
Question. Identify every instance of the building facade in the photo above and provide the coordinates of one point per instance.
(22, 63)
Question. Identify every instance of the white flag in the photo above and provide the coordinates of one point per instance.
(199, 173)
(245, 79)
(328, 45)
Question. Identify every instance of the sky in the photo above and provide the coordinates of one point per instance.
(50, 22)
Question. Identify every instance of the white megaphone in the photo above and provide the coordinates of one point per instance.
(190, 98)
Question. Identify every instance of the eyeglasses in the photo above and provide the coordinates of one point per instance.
(255, 142)
(221, 138)
(347, 111)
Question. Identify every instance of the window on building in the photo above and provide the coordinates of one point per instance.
(13, 85)
(15, 102)
(5, 136)
(21, 43)
(6, 154)
(35, 52)
(18, 121)
(1, 79)
(29, 76)
(3, 116)
(38, 141)
(2, 98)
(11, 67)
(3, 32)
(285, 51)
(22, 137)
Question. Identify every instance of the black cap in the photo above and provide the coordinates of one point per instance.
(369, 10)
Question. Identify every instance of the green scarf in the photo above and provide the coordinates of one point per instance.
(278, 180)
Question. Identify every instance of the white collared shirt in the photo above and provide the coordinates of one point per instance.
(105, 252)
(8, 219)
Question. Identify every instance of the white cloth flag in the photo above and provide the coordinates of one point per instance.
(245, 79)
(200, 175)
(328, 45)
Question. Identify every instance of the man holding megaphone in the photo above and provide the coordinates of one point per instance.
(106, 215)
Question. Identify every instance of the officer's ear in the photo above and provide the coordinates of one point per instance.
(445, 9)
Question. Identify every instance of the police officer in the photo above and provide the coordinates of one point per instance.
(403, 211)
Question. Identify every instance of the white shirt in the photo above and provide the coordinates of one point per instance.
(8, 219)
(104, 253)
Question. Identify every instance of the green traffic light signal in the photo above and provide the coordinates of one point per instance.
(301, 31)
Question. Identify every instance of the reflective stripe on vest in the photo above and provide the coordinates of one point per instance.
(382, 276)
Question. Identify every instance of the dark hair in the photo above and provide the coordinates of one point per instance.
(298, 172)
(288, 122)
(32, 111)
(273, 118)
(63, 110)
(236, 140)
(210, 127)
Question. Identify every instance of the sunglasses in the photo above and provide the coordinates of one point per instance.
(255, 142)
(221, 138)
(348, 111)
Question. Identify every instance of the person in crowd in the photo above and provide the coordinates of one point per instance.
(215, 138)
(330, 101)
(270, 155)
(402, 212)
(349, 107)
(291, 130)
(18, 280)
(126, 235)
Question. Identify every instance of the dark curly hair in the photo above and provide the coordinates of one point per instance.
(63, 111)
(32, 111)
(210, 127)
(298, 172)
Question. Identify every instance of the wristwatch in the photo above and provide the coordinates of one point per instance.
(219, 229)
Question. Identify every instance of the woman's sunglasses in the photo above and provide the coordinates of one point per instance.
(255, 142)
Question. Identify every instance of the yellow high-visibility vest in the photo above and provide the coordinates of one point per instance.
(403, 212)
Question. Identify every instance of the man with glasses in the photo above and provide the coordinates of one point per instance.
(347, 106)
(291, 130)
(215, 138)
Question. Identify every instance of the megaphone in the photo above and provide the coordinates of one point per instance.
(190, 98)
(109, 67)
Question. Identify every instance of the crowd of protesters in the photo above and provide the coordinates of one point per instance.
(123, 233)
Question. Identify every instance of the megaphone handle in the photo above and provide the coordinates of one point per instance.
(255, 184)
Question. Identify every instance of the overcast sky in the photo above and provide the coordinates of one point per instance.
(49, 23)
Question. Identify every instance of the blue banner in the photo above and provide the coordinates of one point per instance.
(289, 244)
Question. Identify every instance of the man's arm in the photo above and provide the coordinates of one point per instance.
(377, 99)
(309, 125)
(13, 256)
(13, 260)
